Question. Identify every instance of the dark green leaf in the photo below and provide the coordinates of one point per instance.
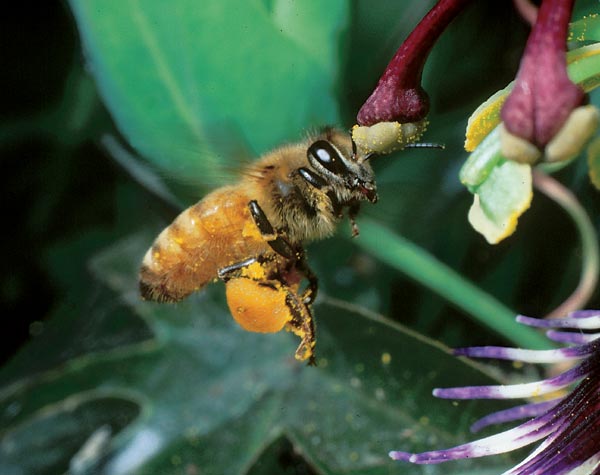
(202, 383)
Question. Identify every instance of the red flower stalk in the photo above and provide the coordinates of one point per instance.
(399, 95)
(543, 95)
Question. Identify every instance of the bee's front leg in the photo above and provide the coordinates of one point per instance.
(352, 213)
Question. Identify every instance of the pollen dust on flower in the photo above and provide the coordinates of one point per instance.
(386, 137)
(485, 119)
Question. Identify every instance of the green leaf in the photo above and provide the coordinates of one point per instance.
(40, 443)
(213, 397)
(196, 87)
(433, 274)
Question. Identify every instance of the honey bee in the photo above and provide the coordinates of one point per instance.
(251, 235)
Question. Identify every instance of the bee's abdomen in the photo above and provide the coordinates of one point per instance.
(204, 238)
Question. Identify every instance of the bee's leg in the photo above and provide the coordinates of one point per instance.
(277, 242)
(310, 294)
(352, 213)
(235, 270)
(267, 305)
(303, 325)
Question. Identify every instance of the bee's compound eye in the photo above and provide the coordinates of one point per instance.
(324, 153)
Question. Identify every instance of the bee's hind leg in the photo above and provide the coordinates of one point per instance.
(310, 293)
(302, 324)
(270, 298)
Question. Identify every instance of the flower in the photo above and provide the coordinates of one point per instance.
(394, 115)
(399, 95)
(569, 425)
(544, 101)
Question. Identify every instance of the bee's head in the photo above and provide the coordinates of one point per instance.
(350, 178)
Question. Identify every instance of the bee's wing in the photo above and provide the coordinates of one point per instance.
(155, 179)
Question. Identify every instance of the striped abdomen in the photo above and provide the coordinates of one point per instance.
(214, 233)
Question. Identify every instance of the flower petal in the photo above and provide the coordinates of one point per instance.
(572, 337)
(591, 322)
(515, 391)
(515, 413)
(527, 356)
(584, 314)
(506, 441)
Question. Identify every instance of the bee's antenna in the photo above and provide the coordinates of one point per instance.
(369, 155)
(355, 153)
(440, 146)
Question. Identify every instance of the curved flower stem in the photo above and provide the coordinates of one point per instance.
(424, 268)
(589, 242)
(399, 95)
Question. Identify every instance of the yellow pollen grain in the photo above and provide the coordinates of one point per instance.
(251, 231)
(424, 420)
(485, 118)
(386, 358)
(254, 271)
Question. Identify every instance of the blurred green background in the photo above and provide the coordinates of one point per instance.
(181, 389)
